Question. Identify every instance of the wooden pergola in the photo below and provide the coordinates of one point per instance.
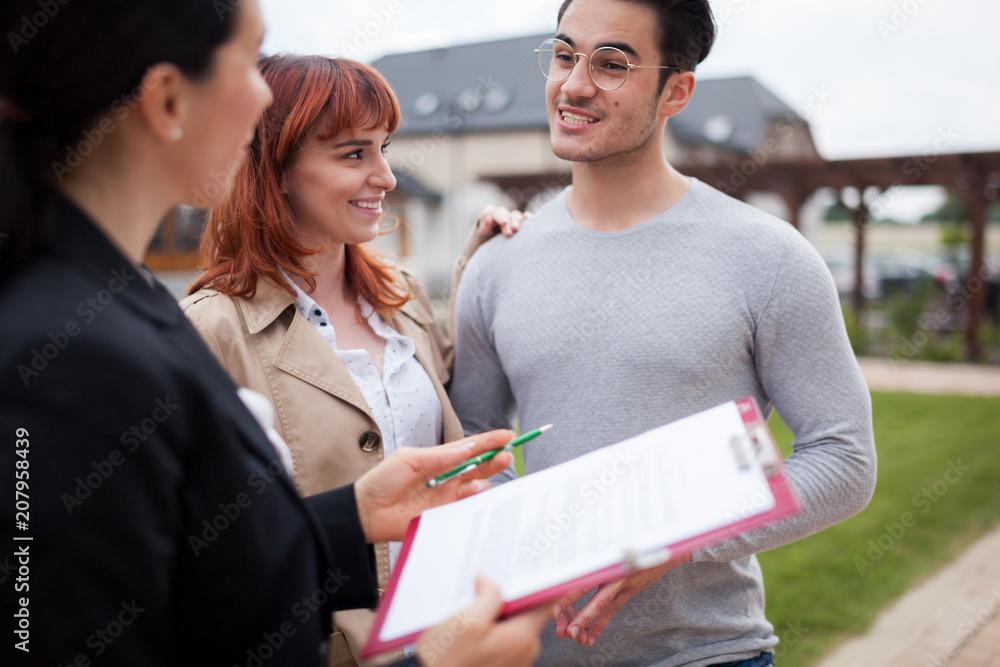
(974, 177)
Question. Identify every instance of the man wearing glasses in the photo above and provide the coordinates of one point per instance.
(639, 296)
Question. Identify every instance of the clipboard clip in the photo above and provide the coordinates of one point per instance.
(740, 452)
(635, 560)
(765, 450)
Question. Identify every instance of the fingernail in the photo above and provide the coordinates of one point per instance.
(469, 445)
(556, 610)
(590, 642)
(574, 631)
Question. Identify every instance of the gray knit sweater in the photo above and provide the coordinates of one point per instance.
(609, 334)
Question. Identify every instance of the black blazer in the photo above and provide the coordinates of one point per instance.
(163, 529)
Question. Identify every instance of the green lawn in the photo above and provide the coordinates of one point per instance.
(816, 596)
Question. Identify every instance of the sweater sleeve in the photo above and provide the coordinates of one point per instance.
(472, 243)
(480, 391)
(809, 372)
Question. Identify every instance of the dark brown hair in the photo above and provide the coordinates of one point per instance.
(685, 31)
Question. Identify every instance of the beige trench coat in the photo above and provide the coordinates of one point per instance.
(267, 345)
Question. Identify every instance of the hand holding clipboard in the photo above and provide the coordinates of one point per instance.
(674, 489)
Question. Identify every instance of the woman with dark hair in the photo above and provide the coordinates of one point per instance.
(152, 519)
(296, 308)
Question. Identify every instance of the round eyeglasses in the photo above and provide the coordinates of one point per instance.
(609, 66)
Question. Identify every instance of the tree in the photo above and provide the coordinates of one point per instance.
(836, 212)
(951, 210)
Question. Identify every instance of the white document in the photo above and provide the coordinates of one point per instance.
(659, 488)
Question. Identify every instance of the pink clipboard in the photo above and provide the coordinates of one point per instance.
(785, 504)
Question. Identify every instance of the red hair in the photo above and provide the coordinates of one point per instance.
(253, 235)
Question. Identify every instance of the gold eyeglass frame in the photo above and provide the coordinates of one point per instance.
(590, 67)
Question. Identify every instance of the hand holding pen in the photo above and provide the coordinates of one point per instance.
(483, 458)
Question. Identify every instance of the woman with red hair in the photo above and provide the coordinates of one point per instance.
(295, 307)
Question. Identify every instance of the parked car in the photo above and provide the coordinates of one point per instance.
(901, 270)
(841, 265)
(991, 274)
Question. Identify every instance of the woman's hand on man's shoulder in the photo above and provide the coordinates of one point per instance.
(495, 220)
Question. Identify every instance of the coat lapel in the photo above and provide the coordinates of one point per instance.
(306, 355)
(303, 352)
(411, 321)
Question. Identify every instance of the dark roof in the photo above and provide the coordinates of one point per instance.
(494, 86)
(735, 112)
(478, 87)
(408, 185)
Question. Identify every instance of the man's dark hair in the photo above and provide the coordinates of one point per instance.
(685, 31)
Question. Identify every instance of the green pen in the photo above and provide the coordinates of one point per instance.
(471, 464)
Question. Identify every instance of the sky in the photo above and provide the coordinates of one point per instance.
(872, 77)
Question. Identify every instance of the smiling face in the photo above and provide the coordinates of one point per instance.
(589, 124)
(336, 186)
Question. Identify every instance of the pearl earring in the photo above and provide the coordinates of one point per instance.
(177, 133)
